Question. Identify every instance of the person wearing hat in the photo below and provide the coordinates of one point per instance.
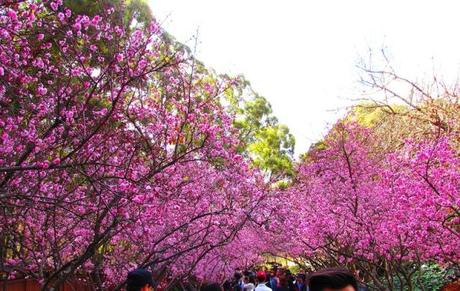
(262, 280)
(140, 280)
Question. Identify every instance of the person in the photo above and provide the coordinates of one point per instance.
(283, 284)
(140, 280)
(362, 286)
(262, 280)
(249, 281)
(211, 287)
(300, 282)
(333, 280)
(228, 285)
(238, 284)
(290, 280)
(273, 280)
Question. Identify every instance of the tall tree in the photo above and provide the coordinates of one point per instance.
(269, 144)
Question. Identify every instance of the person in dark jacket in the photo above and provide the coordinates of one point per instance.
(283, 285)
(140, 280)
(211, 287)
(238, 284)
(300, 282)
(273, 280)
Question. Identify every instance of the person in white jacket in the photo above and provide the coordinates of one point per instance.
(249, 280)
(262, 280)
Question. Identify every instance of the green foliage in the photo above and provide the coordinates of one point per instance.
(316, 147)
(281, 184)
(269, 144)
(134, 12)
(272, 149)
(432, 276)
(138, 10)
(370, 114)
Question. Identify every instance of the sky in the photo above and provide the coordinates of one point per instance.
(303, 55)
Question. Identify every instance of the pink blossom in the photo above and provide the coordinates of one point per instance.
(68, 13)
(54, 6)
(95, 19)
(61, 16)
(12, 15)
(119, 57)
(77, 26)
(41, 90)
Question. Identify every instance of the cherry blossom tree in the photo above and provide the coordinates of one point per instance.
(377, 213)
(111, 161)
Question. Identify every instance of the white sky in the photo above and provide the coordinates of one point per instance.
(302, 55)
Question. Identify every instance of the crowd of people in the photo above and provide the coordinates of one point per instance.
(277, 279)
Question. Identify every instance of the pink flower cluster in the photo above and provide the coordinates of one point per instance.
(356, 206)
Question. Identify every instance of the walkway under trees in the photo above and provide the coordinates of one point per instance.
(120, 150)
